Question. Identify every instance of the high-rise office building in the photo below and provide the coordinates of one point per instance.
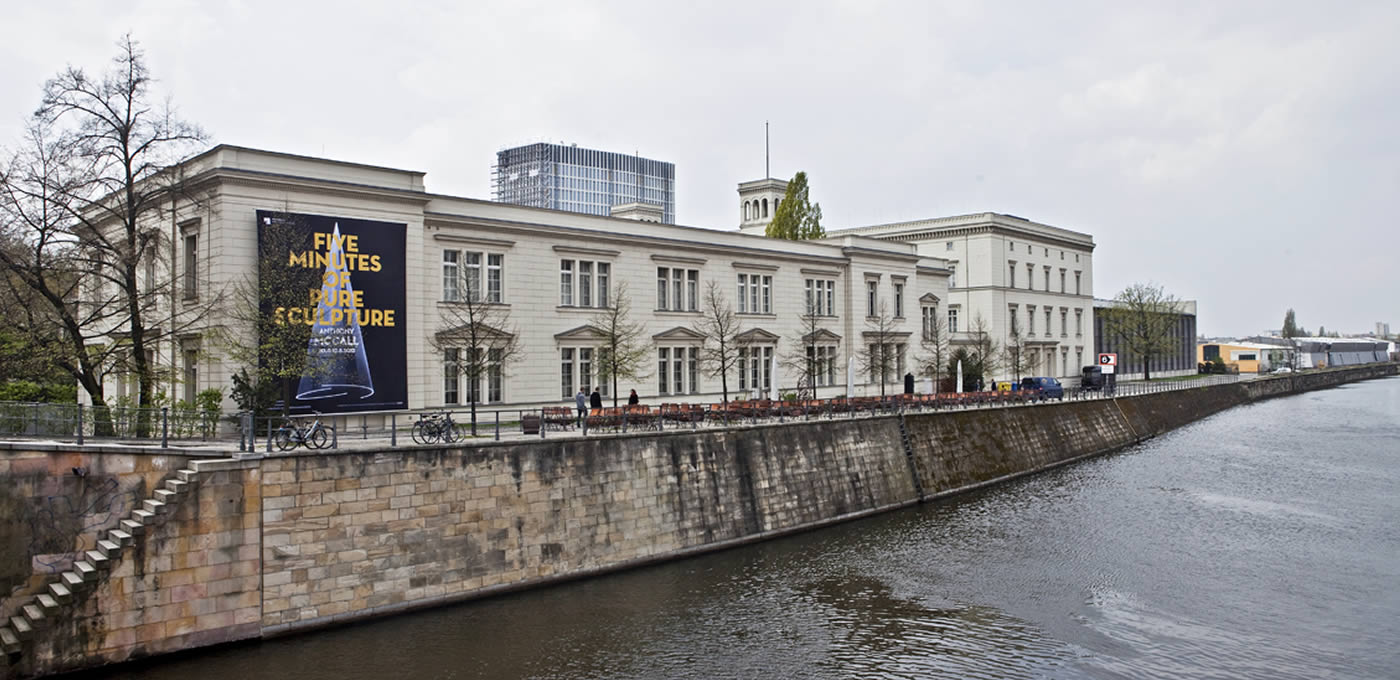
(567, 177)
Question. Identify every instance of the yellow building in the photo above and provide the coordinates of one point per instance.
(1248, 357)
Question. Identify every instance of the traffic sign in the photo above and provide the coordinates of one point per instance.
(1108, 361)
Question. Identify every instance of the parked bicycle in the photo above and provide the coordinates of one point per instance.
(312, 435)
(435, 427)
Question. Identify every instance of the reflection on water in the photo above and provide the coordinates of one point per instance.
(1259, 543)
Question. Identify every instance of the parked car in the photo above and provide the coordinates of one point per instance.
(1048, 388)
(1092, 379)
(1282, 369)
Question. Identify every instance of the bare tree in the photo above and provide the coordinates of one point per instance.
(1016, 353)
(882, 348)
(984, 349)
(271, 357)
(934, 343)
(476, 341)
(803, 357)
(102, 176)
(719, 352)
(46, 269)
(1143, 319)
(623, 348)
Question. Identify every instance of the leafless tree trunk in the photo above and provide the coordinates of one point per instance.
(475, 338)
(801, 357)
(880, 347)
(109, 170)
(624, 347)
(934, 342)
(719, 354)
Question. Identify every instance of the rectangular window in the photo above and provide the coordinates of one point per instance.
(451, 377)
(1030, 274)
(566, 283)
(677, 289)
(1047, 321)
(585, 368)
(585, 284)
(151, 270)
(566, 372)
(1062, 277)
(952, 276)
(495, 378)
(663, 361)
(473, 385)
(767, 295)
(473, 276)
(1047, 279)
(1064, 323)
(821, 297)
(678, 369)
(1078, 322)
(871, 290)
(1011, 282)
(899, 301)
(693, 366)
(494, 266)
(952, 319)
(1076, 282)
(948, 246)
(604, 272)
(930, 318)
(191, 266)
(191, 369)
(1030, 320)
(1011, 314)
(451, 277)
(743, 369)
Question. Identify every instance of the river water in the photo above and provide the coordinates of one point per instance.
(1259, 543)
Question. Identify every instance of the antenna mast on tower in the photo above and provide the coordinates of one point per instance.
(766, 172)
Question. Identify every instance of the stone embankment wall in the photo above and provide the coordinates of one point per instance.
(267, 546)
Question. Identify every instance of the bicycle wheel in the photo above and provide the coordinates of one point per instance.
(283, 439)
(420, 432)
(449, 432)
(318, 438)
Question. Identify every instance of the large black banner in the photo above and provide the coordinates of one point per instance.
(331, 299)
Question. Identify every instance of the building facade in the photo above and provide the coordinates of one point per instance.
(1010, 275)
(403, 264)
(574, 179)
(1181, 359)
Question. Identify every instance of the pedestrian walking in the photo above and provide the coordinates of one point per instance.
(581, 401)
(633, 399)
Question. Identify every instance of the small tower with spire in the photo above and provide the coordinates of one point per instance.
(759, 199)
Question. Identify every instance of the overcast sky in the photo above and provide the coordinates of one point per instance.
(1245, 155)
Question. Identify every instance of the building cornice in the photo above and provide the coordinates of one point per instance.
(627, 240)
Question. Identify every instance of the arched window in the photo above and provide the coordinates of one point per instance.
(746, 211)
(765, 207)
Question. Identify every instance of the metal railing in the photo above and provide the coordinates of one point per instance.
(277, 433)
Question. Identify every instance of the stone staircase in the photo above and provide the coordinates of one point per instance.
(91, 567)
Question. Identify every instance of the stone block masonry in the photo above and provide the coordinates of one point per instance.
(190, 579)
(350, 535)
(267, 546)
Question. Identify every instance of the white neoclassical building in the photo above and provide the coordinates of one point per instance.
(1009, 272)
(406, 254)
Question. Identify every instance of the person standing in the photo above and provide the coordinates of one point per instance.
(633, 399)
(595, 400)
(581, 401)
